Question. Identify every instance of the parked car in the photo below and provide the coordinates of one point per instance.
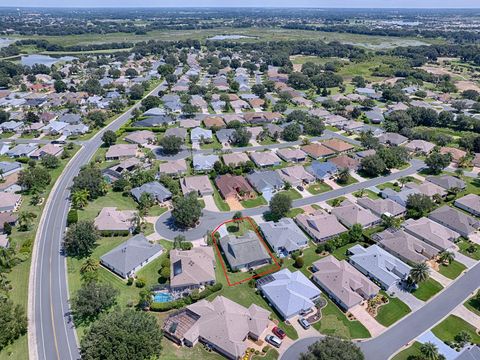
(279, 332)
(301, 188)
(273, 340)
(305, 324)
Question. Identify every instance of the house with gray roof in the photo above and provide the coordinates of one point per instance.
(266, 182)
(176, 131)
(420, 146)
(392, 139)
(379, 265)
(381, 207)
(75, 129)
(235, 159)
(432, 233)
(343, 283)
(73, 119)
(350, 214)
(22, 150)
(198, 135)
(225, 136)
(320, 225)
(447, 182)
(265, 158)
(158, 192)
(296, 175)
(244, 252)
(11, 125)
(399, 197)
(405, 246)
(132, 255)
(455, 220)
(8, 168)
(470, 203)
(284, 236)
(203, 162)
(289, 293)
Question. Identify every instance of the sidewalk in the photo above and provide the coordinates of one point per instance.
(465, 260)
(435, 275)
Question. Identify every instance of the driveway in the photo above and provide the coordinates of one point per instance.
(303, 333)
(462, 312)
(435, 275)
(210, 203)
(372, 325)
(465, 260)
(412, 302)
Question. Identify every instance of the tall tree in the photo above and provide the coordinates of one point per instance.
(331, 348)
(419, 273)
(81, 239)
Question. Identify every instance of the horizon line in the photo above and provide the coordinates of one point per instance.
(240, 7)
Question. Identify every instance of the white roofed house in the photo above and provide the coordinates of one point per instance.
(283, 236)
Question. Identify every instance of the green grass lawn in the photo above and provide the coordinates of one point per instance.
(412, 350)
(451, 326)
(351, 180)
(469, 248)
(427, 289)
(294, 212)
(217, 198)
(111, 199)
(239, 228)
(250, 203)
(215, 145)
(453, 270)
(335, 323)
(318, 188)
(292, 193)
(473, 305)
(388, 185)
(391, 312)
(272, 354)
(368, 193)
(172, 352)
(338, 200)
(341, 252)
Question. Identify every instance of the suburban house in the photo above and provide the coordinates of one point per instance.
(9, 202)
(225, 136)
(244, 252)
(342, 282)
(317, 151)
(200, 184)
(199, 135)
(400, 197)
(191, 269)
(177, 132)
(379, 265)
(381, 207)
(222, 324)
(322, 170)
(447, 182)
(204, 162)
(420, 146)
(127, 258)
(9, 167)
(155, 121)
(141, 137)
(470, 203)
(296, 175)
(266, 182)
(22, 150)
(112, 220)
(284, 236)
(457, 154)
(337, 145)
(235, 159)
(350, 214)
(455, 220)
(320, 226)
(121, 151)
(48, 149)
(432, 233)
(405, 246)
(265, 158)
(292, 155)
(345, 162)
(289, 293)
(173, 167)
(158, 192)
(213, 122)
(237, 187)
(392, 139)
(427, 188)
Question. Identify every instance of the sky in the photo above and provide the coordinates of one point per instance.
(248, 3)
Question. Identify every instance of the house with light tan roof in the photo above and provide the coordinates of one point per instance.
(115, 221)
(292, 155)
(420, 146)
(317, 151)
(9, 202)
(142, 137)
(343, 283)
(222, 324)
(173, 167)
(121, 151)
(350, 214)
(213, 122)
(457, 154)
(320, 225)
(199, 184)
(338, 145)
(432, 233)
(265, 158)
(191, 269)
(296, 175)
(48, 149)
(427, 188)
(235, 159)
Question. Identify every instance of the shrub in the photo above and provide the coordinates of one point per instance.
(72, 217)
(265, 349)
(140, 283)
(129, 281)
(299, 262)
(320, 248)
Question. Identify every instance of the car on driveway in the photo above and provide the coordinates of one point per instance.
(305, 324)
(279, 332)
(273, 340)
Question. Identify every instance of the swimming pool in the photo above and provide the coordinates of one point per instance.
(162, 297)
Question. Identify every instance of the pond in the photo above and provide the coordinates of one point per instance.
(5, 42)
(31, 60)
(230, 37)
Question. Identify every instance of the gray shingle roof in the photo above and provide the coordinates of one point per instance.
(157, 190)
(284, 234)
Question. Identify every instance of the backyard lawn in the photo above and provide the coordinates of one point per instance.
(451, 326)
(170, 351)
(412, 350)
(427, 289)
(318, 188)
(341, 252)
(335, 323)
(391, 312)
(453, 270)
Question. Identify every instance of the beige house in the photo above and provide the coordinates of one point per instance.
(191, 269)
(431, 232)
(296, 175)
(174, 167)
(200, 184)
(9, 202)
(320, 225)
(142, 137)
(350, 214)
(235, 159)
(222, 324)
(112, 220)
(343, 283)
(121, 151)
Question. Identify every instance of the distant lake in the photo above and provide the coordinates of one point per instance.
(31, 60)
(5, 42)
(230, 37)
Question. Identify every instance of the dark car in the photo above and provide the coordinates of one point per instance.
(279, 332)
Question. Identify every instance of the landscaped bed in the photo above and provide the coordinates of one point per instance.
(392, 311)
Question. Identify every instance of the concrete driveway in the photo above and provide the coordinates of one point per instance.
(367, 320)
(412, 302)
(302, 333)
(210, 203)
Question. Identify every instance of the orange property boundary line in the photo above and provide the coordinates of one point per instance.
(224, 267)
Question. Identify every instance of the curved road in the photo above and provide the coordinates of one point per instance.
(51, 334)
(209, 220)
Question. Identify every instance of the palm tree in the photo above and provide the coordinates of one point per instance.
(447, 257)
(7, 259)
(390, 222)
(80, 198)
(403, 181)
(458, 172)
(454, 191)
(419, 273)
(343, 176)
(25, 219)
(429, 351)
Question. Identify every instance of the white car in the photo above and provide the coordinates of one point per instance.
(275, 341)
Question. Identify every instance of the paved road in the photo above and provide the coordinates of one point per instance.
(328, 134)
(210, 220)
(409, 328)
(51, 334)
